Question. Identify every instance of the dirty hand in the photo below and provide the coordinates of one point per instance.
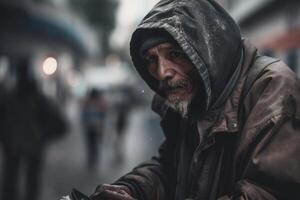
(112, 192)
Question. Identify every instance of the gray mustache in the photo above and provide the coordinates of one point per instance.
(166, 85)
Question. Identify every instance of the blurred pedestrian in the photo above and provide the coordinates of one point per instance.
(29, 120)
(122, 109)
(93, 118)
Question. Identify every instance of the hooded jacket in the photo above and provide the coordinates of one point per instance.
(207, 34)
(247, 143)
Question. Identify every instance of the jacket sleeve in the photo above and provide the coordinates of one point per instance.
(150, 179)
(269, 161)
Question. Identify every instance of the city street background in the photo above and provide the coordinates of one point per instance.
(73, 111)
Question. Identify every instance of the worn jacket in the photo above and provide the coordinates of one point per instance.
(247, 142)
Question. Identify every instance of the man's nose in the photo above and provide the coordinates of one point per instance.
(165, 70)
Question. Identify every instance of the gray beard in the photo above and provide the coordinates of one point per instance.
(179, 106)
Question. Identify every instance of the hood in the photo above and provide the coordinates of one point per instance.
(205, 32)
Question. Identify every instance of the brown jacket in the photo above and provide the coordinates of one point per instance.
(252, 149)
(246, 145)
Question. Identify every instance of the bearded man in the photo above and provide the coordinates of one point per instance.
(230, 116)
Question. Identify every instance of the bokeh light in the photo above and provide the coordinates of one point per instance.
(50, 66)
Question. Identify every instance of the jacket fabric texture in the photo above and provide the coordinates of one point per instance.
(247, 144)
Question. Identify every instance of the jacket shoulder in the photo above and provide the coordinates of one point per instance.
(275, 92)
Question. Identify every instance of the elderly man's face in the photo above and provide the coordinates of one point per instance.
(168, 64)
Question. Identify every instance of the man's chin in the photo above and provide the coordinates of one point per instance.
(180, 107)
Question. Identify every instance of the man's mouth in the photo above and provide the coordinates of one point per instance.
(176, 90)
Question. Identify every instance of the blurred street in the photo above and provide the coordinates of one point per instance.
(65, 166)
(73, 111)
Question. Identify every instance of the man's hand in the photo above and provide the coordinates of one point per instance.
(112, 192)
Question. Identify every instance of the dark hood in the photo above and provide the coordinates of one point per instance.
(207, 34)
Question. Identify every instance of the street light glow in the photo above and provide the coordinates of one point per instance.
(50, 66)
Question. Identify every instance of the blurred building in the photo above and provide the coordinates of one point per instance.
(54, 38)
(272, 25)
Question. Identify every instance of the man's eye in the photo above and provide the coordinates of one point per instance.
(175, 54)
(151, 64)
(149, 60)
